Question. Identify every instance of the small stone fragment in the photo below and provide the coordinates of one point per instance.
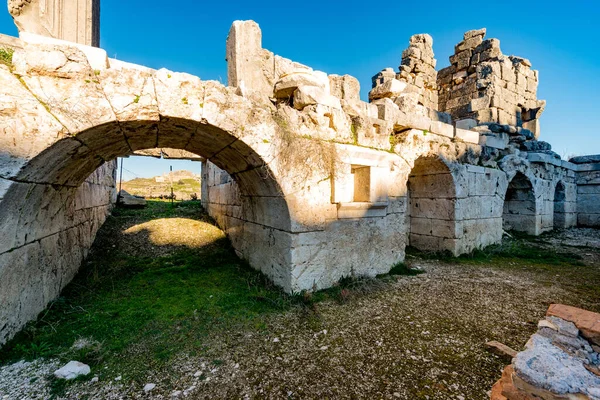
(72, 370)
(148, 387)
(500, 349)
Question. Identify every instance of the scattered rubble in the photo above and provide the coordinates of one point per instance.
(560, 362)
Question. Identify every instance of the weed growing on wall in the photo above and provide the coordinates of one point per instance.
(6, 56)
(306, 156)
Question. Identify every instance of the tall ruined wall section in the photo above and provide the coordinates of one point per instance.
(54, 251)
(51, 253)
(483, 85)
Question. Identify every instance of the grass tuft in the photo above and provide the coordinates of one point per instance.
(6, 56)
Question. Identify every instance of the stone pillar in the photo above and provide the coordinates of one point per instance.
(72, 20)
(249, 66)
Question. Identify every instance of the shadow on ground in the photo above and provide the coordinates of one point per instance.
(164, 299)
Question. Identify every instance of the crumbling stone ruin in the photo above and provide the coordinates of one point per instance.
(310, 183)
(560, 361)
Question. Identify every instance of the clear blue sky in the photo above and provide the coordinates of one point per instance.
(361, 37)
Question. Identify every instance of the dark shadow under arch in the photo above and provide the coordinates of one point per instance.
(431, 205)
(559, 206)
(519, 212)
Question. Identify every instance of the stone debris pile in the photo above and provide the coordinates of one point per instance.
(560, 362)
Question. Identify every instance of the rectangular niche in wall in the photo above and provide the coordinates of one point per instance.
(362, 183)
(359, 202)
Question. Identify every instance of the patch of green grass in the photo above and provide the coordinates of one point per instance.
(403, 269)
(521, 248)
(6, 56)
(144, 311)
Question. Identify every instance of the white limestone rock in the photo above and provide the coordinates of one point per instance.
(149, 387)
(308, 95)
(72, 370)
(390, 88)
(550, 368)
(129, 200)
(288, 83)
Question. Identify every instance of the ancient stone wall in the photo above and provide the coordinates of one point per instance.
(38, 259)
(310, 183)
(483, 85)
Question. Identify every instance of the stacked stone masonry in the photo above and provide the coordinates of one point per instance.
(310, 183)
(483, 85)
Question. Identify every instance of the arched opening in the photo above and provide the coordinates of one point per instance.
(560, 221)
(519, 206)
(431, 206)
(52, 211)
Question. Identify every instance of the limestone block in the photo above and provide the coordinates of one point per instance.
(480, 103)
(387, 109)
(344, 87)
(497, 140)
(132, 95)
(385, 75)
(288, 83)
(432, 208)
(533, 126)
(26, 128)
(466, 136)
(97, 58)
(469, 43)
(308, 95)
(63, 80)
(361, 210)
(588, 219)
(585, 159)
(442, 129)
(466, 123)
(72, 370)
(390, 88)
(248, 64)
(507, 118)
(474, 33)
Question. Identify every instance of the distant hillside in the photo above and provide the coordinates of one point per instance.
(184, 184)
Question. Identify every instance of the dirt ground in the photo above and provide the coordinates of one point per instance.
(409, 337)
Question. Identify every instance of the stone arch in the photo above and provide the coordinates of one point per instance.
(520, 211)
(559, 206)
(51, 211)
(431, 206)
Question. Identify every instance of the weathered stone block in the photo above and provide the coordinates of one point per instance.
(344, 87)
(390, 88)
(442, 129)
(466, 136)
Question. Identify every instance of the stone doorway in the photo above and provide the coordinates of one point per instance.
(519, 206)
(431, 206)
(559, 206)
